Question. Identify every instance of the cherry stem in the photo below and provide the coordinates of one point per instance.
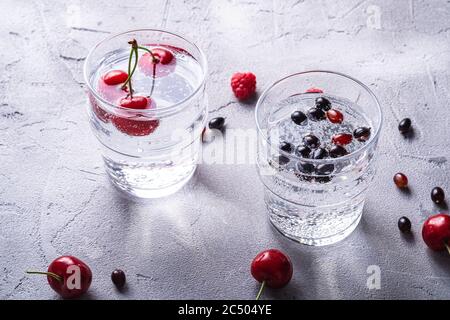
(50, 274)
(447, 247)
(261, 289)
(134, 50)
(154, 59)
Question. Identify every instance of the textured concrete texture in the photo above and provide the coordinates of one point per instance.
(55, 198)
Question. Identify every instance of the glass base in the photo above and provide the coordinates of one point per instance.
(147, 183)
(315, 226)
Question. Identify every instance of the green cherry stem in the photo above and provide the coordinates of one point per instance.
(154, 62)
(133, 51)
(154, 58)
(261, 289)
(50, 274)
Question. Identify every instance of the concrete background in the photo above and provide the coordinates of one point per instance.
(55, 198)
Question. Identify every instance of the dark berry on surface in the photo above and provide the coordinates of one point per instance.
(323, 103)
(362, 134)
(400, 180)
(286, 146)
(216, 123)
(337, 151)
(298, 117)
(320, 153)
(118, 278)
(325, 169)
(404, 224)
(405, 125)
(437, 195)
(316, 114)
(311, 141)
(303, 151)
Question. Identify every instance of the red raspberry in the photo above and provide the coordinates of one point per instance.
(314, 90)
(243, 85)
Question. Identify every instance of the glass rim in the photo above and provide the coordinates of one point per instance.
(373, 137)
(171, 108)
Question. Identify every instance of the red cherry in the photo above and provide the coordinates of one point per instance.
(335, 116)
(164, 55)
(68, 276)
(436, 232)
(136, 102)
(136, 125)
(114, 77)
(272, 268)
(314, 90)
(342, 139)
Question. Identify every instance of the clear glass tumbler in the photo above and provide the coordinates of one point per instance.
(150, 152)
(311, 198)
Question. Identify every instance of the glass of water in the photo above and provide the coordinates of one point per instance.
(317, 137)
(150, 149)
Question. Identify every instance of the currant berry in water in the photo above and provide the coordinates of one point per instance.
(304, 167)
(437, 195)
(298, 117)
(303, 151)
(337, 151)
(323, 103)
(400, 180)
(320, 153)
(286, 146)
(335, 116)
(362, 134)
(311, 141)
(316, 114)
(325, 169)
(342, 139)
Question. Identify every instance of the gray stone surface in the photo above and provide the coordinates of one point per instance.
(55, 198)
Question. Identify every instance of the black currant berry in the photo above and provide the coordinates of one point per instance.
(361, 134)
(325, 169)
(216, 123)
(405, 125)
(316, 114)
(320, 153)
(298, 117)
(305, 167)
(303, 151)
(437, 195)
(337, 151)
(404, 224)
(323, 103)
(311, 141)
(118, 278)
(286, 146)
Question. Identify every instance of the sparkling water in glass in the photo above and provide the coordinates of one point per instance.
(149, 152)
(316, 201)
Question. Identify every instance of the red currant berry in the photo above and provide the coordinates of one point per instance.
(335, 116)
(400, 180)
(342, 139)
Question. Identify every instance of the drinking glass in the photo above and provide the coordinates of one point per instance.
(312, 206)
(153, 152)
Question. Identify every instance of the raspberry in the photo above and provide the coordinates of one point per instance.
(243, 85)
(314, 90)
